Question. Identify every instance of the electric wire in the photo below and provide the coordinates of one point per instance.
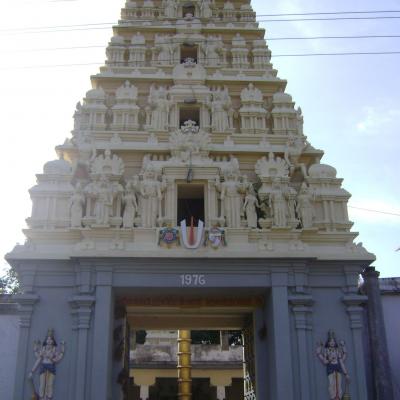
(145, 62)
(178, 21)
(375, 211)
(207, 40)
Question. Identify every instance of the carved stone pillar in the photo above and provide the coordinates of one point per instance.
(102, 335)
(302, 308)
(82, 308)
(378, 344)
(279, 342)
(354, 309)
(26, 303)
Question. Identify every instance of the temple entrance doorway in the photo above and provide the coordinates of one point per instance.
(190, 203)
(218, 361)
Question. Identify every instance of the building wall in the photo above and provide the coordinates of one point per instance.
(9, 330)
(302, 302)
(391, 305)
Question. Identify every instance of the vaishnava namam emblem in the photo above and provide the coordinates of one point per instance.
(216, 237)
(168, 236)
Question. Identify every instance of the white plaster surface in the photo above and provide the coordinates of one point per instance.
(9, 332)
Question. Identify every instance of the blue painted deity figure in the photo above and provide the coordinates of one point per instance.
(47, 356)
(333, 355)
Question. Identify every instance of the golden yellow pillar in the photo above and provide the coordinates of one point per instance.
(184, 366)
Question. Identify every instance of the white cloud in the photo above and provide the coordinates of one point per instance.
(377, 118)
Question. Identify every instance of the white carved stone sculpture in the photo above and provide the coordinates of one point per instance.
(212, 50)
(165, 51)
(205, 9)
(221, 110)
(77, 204)
(103, 195)
(278, 206)
(271, 167)
(130, 205)
(239, 52)
(105, 164)
(159, 108)
(115, 51)
(228, 11)
(304, 207)
(250, 208)
(137, 51)
(94, 110)
(300, 121)
(47, 356)
(151, 191)
(170, 8)
(231, 199)
(291, 195)
(189, 143)
(77, 116)
(333, 355)
(125, 110)
(252, 113)
(261, 55)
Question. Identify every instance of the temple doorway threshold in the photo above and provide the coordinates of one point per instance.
(190, 348)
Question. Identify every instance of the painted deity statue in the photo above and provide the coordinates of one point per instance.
(333, 355)
(250, 207)
(77, 204)
(278, 206)
(231, 199)
(160, 105)
(130, 205)
(47, 356)
(151, 191)
(304, 208)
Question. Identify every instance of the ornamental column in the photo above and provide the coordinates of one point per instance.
(278, 321)
(302, 309)
(82, 309)
(377, 334)
(26, 303)
(184, 366)
(102, 335)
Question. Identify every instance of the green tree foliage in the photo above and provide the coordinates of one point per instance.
(9, 283)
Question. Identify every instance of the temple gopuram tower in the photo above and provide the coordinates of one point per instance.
(189, 198)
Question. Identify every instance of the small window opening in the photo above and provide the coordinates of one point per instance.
(190, 203)
(189, 52)
(188, 8)
(189, 114)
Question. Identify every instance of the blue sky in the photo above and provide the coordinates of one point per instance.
(351, 104)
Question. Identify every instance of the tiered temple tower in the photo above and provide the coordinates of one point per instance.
(188, 173)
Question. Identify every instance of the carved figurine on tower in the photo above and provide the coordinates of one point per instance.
(151, 192)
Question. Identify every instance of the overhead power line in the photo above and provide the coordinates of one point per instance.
(276, 55)
(91, 26)
(211, 40)
(375, 211)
